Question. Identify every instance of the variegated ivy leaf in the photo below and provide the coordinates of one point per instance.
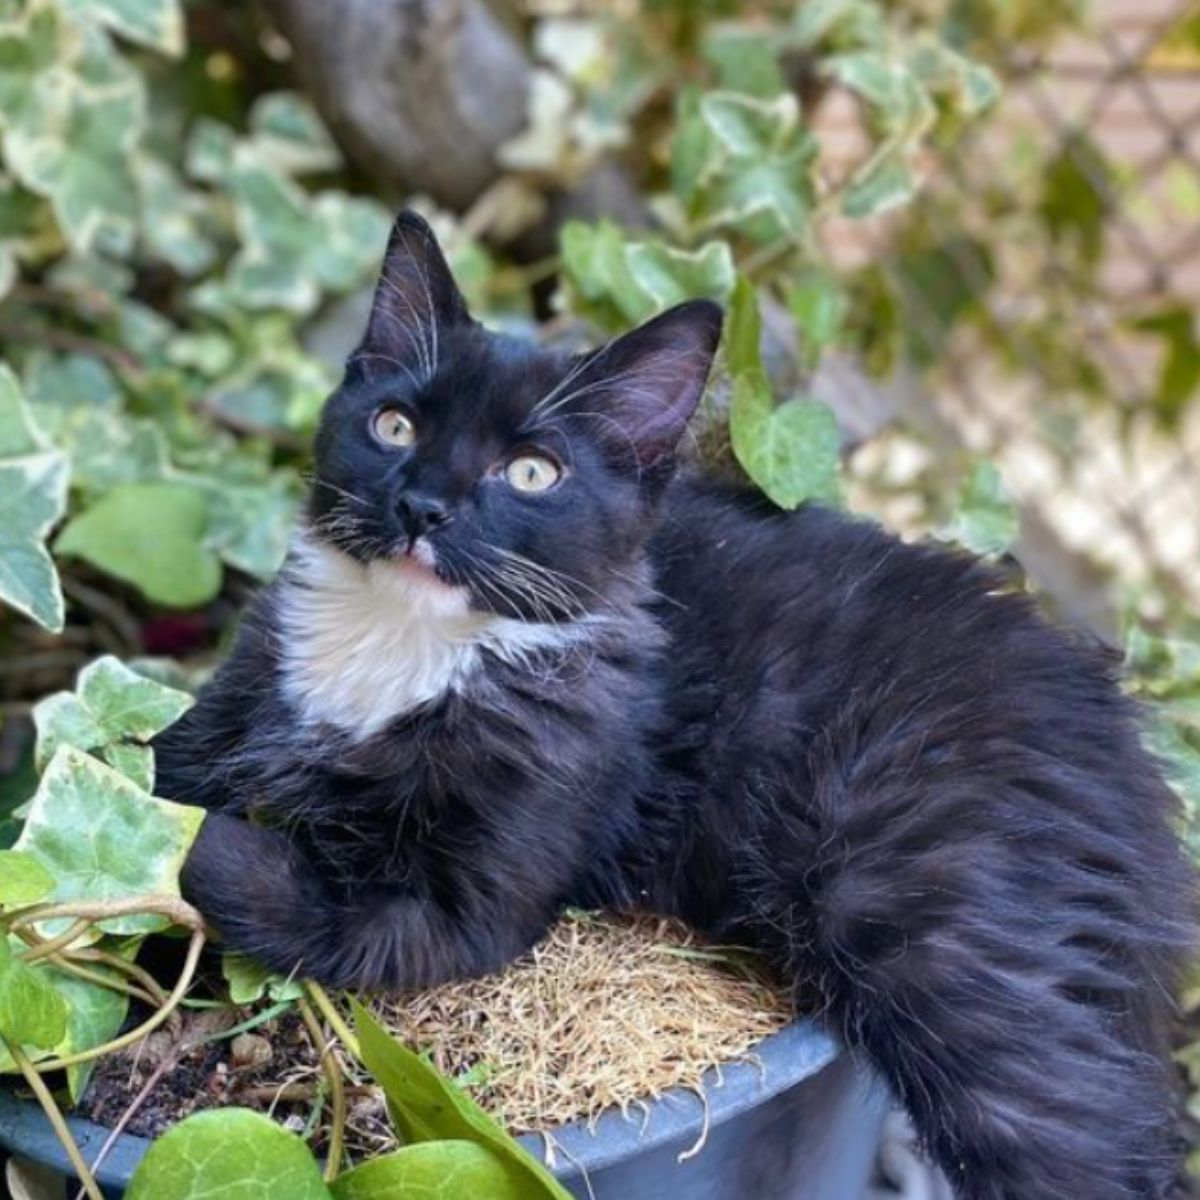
(620, 281)
(113, 713)
(171, 219)
(39, 51)
(985, 519)
(252, 524)
(73, 143)
(746, 163)
(900, 106)
(839, 24)
(291, 136)
(294, 249)
(154, 23)
(79, 403)
(104, 838)
(33, 496)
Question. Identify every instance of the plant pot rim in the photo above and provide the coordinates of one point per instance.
(678, 1116)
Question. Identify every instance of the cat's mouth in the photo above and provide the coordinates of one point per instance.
(419, 559)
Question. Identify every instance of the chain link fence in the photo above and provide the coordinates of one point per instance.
(1052, 273)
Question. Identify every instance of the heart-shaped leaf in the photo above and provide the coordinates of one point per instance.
(231, 1153)
(31, 1012)
(985, 519)
(151, 535)
(790, 451)
(447, 1170)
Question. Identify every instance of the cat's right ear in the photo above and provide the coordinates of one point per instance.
(416, 301)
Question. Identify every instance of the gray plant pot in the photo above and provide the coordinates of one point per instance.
(802, 1122)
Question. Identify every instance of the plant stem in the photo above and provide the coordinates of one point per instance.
(177, 910)
(337, 1090)
(147, 1026)
(117, 963)
(318, 995)
(51, 1109)
(44, 947)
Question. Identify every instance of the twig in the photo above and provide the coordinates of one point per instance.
(54, 1114)
(337, 1090)
(117, 963)
(146, 1027)
(168, 1063)
(67, 963)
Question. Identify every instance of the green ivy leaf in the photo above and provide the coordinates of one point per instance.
(102, 837)
(291, 136)
(627, 281)
(33, 496)
(1075, 196)
(448, 1170)
(23, 880)
(884, 183)
(746, 60)
(249, 981)
(152, 535)
(154, 23)
(744, 162)
(232, 1153)
(985, 519)
(428, 1108)
(743, 329)
(819, 305)
(76, 147)
(113, 713)
(790, 451)
(31, 1012)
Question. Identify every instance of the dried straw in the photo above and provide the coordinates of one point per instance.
(605, 1012)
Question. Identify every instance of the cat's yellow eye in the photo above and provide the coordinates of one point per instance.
(532, 473)
(393, 428)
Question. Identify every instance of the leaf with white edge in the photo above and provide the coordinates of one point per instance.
(249, 981)
(208, 155)
(791, 450)
(113, 713)
(594, 262)
(670, 276)
(23, 880)
(78, 151)
(291, 136)
(104, 838)
(31, 1012)
(884, 183)
(33, 496)
(172, 219)
(252, 525)
(426, 1107)
(232, 1153)
(985, 520)
(154, 23)
(152, 535)
(449, 1170)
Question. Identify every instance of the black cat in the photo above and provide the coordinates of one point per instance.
(514, 663)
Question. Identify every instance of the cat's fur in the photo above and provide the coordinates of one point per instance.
(873, 760)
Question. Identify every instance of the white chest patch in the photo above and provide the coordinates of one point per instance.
(367, 644)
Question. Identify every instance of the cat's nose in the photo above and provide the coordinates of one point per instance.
(421, 513)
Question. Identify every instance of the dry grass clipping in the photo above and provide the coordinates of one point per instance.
(605, 1012)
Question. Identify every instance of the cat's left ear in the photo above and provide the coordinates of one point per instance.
(646, 384)
(416, 301)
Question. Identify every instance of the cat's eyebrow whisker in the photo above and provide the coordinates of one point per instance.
(341, 491)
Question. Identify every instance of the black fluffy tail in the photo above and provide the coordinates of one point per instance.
(1004, 952)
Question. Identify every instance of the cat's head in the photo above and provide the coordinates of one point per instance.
(529, 478)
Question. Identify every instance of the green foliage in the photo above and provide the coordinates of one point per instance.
(249, 981)
(33, 495)
(425, 1107)
(102, 837)
(985, 519)
(234, 1153)
(32, 1013)
(113, 714)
